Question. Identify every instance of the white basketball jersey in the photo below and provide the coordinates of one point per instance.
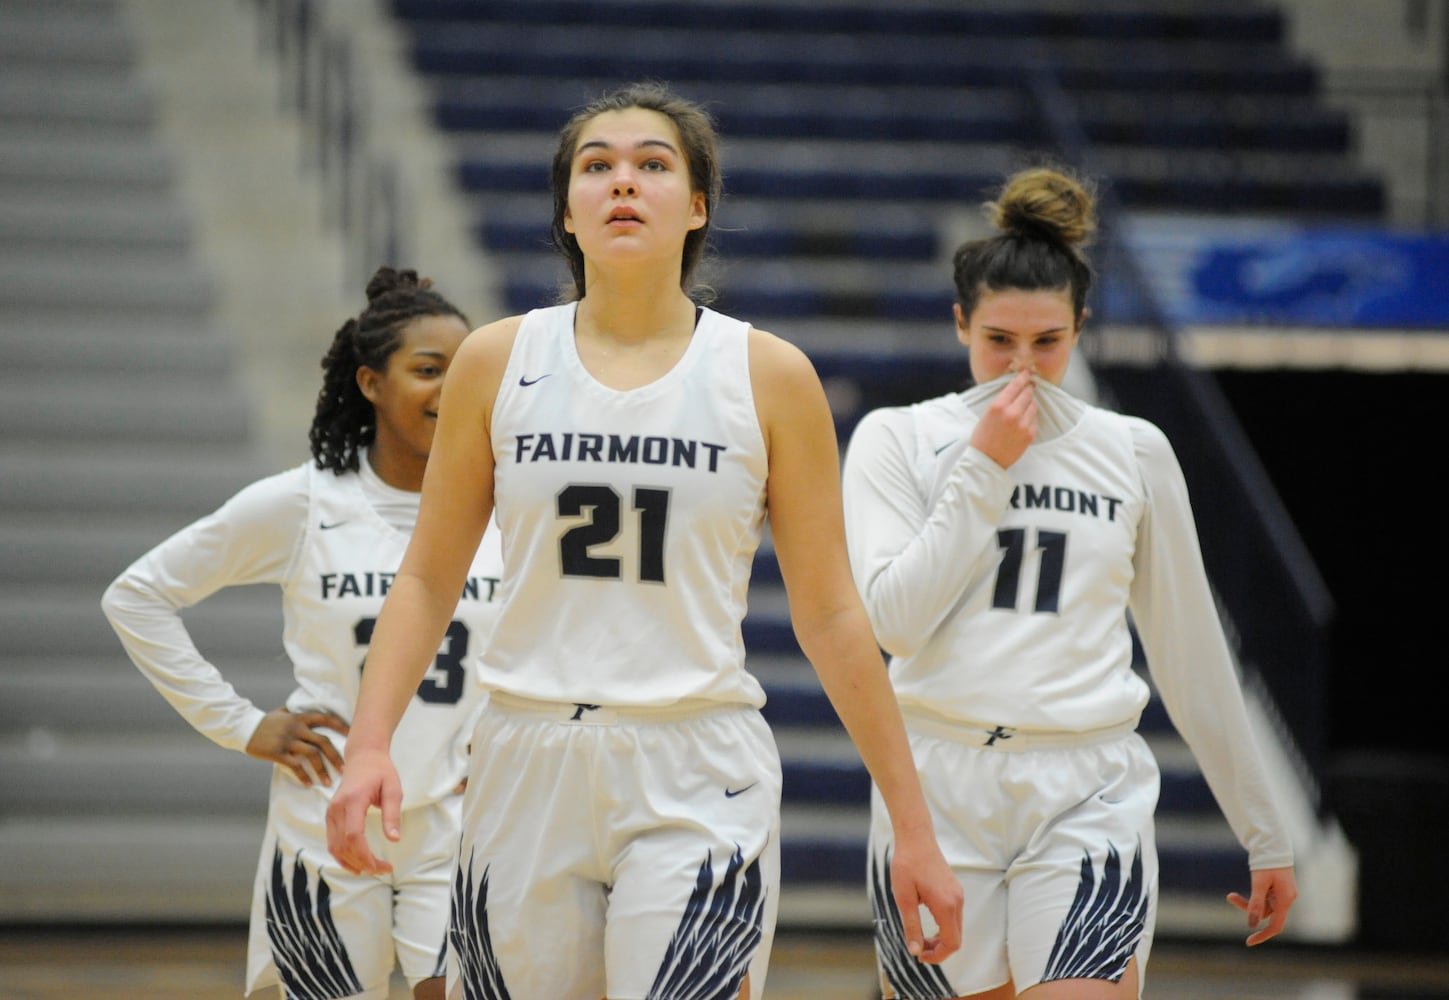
(1004, 594)
(345, 566)
(1031, 631)
(630, 521)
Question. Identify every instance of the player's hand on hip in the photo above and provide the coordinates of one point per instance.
(370, 780)
(1273, 893)
(920, 877)
(294, 740)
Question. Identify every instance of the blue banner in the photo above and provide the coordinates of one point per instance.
(1250, 273)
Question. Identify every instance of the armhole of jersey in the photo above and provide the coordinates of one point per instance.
(509, 381)
(748, 382)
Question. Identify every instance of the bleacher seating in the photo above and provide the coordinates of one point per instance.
(122, 417)
(859, 139)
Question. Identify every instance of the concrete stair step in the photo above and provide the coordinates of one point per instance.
(167, 411)
(168, 867)
(65, 551)
(66, 621)
(50, 773)
(169, 486)
(120, 280)
(75, 33)
(102, 97)
(74, 159)
(177, 348)
(150, 222)
(106, 694)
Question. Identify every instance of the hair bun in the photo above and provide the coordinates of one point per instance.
(387, 280)
(1043, 203)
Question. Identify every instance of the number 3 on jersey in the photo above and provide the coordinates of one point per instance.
(443, 684)
(603, 508)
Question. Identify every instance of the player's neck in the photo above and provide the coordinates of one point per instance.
(614, 317)
(397, 468)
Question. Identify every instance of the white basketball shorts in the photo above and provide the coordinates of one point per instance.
(616, 852)
(1052, 840)
(322, 933)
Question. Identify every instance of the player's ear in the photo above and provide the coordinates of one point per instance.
(367, 380)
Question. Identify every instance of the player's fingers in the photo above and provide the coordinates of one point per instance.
(1276, 916)
(337, 834)
(1010, 395)
(325, 720)
(1017, 394)
(347, 838)
(323, 747)
(294, 764)
(1274, 928)
(909, 906)
(308, 750)
(947, 915)
(391, 808)
(1256, 913)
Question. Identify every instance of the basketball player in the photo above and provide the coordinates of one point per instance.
(621, 824)
(331, 534)
(1000, 536)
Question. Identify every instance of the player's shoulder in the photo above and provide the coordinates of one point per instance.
(777, 353)
(908, 427)
(491, 341)
(1151, 449)
(288, 483)
(1147, 438)
(782, 376)
(277, 498)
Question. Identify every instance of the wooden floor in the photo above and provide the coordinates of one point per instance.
(206, 964)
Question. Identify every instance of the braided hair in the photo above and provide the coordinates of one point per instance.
(344, 421)
(1044, 217)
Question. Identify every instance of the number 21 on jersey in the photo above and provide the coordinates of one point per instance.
(604, 509)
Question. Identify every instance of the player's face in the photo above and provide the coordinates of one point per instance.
(1015, 330)
(629, 189)
(405, 395)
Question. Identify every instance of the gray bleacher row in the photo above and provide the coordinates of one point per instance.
(828, 145)
(137, 422)
(122, 417)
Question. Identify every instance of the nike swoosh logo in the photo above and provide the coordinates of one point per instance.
(525, 381)
(946, 445)
(732, 792)
(328, 527)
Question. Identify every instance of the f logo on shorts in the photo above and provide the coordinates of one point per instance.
(579, 709)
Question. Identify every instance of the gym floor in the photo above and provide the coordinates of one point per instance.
(206, 963)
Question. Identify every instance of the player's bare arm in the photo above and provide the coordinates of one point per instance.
(457, 501)
(830, 623)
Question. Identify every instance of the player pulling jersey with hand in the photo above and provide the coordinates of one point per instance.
(1000, 536)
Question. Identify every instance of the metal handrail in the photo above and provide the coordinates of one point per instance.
(362, 191)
